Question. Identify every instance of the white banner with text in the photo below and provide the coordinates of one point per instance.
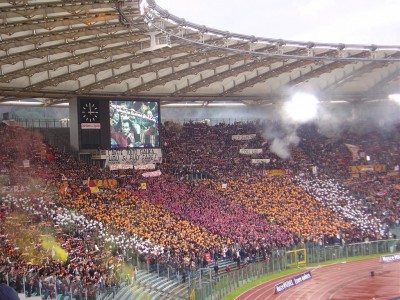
(243, 137)
(250, 151)
(256, 161)
(128, 158)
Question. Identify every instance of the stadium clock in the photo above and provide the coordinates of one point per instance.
(90, 112)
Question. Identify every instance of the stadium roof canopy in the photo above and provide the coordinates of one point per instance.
(54, 50)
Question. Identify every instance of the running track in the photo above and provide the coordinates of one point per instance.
(350, 281)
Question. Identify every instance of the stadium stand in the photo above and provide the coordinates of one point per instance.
(211, 206)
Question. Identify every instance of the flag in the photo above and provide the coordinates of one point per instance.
(63, 177)
(263, 141)
(314, 170)
(354, 151)
(92, 186)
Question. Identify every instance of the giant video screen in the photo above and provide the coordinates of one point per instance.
(134, 124)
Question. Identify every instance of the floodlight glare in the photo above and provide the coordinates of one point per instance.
(395, 98)
(302, 107)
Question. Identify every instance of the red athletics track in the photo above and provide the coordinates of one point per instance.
(350, 281)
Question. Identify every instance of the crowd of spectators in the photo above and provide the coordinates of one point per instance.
(31, 259)
(283, 203)
(200, 205)
(375, 190)
(236, 207)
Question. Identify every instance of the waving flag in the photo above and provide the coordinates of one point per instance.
(354, 151)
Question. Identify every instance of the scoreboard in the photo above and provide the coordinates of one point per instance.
(118, 123)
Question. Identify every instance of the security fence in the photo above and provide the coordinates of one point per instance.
(55, 287)
(217, 287)
(203, 283)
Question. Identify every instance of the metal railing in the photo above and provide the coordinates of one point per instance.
(202, 283)
(42, 123)
(54, 287)
(212, 122)
(65, 123)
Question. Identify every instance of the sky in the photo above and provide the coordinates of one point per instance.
(326, 21)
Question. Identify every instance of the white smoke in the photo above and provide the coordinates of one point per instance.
(281, 147)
